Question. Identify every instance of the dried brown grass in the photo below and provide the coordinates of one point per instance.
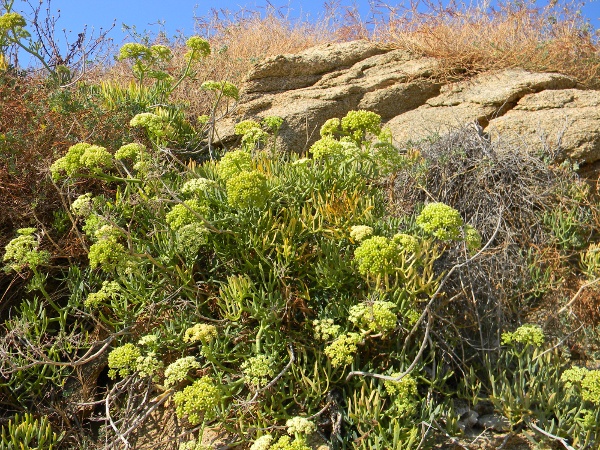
(466, 38)
(476, 38)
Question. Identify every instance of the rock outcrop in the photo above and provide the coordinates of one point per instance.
(536, 110)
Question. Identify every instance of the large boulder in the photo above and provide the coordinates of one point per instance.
(565, 122)
(539, 111)
(480, 99)
(327, 81)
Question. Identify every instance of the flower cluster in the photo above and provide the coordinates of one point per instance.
(149, 340)
(79, 156)
(254, 137)
(225, 88)
(573, 376)
(186, 213)
(233, 163)
(247, 189)
(404, 393)
(198, 401)
(133, 50)
(286, 443)
(472, 239)
(358, 123)
(243, 127)
(526, 334)
(23, 251)
(331, 128)
(83, 205)
(189, 239)
(300, 425)
(272, 123)
(441, 221)
(590, 387)
(258, 370)
(587, 380)
(378, 317)
(201, 332)
(360, 232)
(131, 151)
(107, 252)
(406, 242)
(199, 48)
(12, 20)
(154, 123)
(123, 360)
(342, 350)
(110, 290)
(327, 147)
(178, 370)
(148, 365)
(376, 256)
(198, 186)
(325, 329)
(262, 443)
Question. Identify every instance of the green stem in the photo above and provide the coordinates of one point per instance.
(185, 74)
(33, 53)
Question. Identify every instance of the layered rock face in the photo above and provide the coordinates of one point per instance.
(538, 111)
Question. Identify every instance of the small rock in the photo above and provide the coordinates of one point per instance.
(494, 422)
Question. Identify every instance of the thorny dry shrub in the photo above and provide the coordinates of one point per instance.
(471, 38)
(504, 192)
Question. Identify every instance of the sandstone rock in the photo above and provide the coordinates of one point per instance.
(327, 81)
(477, 100)
(565, 121)
(536, 110)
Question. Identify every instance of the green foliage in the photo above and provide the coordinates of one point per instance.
(262, 288)
(533, 385)
(28, 433)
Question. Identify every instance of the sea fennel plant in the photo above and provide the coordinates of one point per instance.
(264, 291)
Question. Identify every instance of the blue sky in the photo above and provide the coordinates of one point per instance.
(178, 15)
